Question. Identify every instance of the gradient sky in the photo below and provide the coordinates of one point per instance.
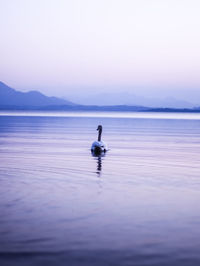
(68, 47)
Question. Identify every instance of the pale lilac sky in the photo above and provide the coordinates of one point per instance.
(68, 47)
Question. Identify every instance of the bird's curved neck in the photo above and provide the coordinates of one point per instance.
(99, 136)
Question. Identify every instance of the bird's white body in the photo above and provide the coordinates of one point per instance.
(99, 146)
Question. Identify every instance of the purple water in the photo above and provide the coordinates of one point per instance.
(138, 205)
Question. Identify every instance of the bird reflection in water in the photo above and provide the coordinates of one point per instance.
(98, 157)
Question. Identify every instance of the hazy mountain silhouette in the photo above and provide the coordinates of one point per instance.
(11, 97)
(125, 98)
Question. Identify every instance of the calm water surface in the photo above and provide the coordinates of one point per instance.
(138, 205)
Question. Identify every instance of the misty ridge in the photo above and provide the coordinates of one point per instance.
(126, 98)
(11, 99)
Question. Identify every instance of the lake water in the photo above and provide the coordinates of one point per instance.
(137, 205)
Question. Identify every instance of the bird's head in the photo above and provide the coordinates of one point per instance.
(99, 127)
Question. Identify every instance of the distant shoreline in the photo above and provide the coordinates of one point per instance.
(94, 108)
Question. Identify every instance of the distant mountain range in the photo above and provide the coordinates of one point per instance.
(11, 99)
(126, 98)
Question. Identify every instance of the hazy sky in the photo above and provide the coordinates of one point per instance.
(66, 47)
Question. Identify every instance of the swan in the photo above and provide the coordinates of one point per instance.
(99, 146)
